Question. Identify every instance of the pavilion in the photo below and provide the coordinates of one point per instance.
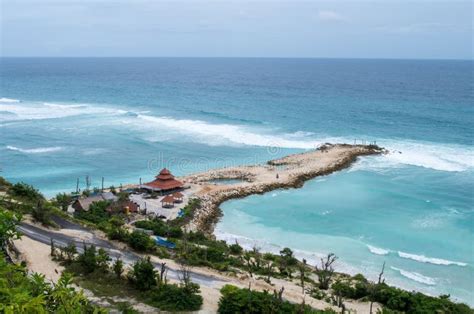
(178, 197)
(164, 183)
(167, 201)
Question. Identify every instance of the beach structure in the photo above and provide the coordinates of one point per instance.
(167, 201)
(178, 197)
(83, 204)
(164, 183)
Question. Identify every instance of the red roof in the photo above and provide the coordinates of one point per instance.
(168, 199)
(164, 181)
(165, 174)
(164, 184)
(178, 195)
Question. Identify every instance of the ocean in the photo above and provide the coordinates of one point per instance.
(125, 118)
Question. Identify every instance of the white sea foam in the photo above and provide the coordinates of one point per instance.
(8, 100)
(416, 276)
(430, 260)
(39, 111)
(377, 250)
(442, 157)
(222, 134)
(38, 150)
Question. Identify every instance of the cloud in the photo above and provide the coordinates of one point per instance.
(326, 15)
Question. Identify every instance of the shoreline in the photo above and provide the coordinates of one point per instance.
(291, 171)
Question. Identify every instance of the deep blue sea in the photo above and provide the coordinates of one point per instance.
(124, 119)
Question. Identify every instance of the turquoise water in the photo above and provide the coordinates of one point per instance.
(125, 119)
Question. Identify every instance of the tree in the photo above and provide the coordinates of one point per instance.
(118, 267)
(373, 289)
(286, 261)
(326, 271)
(41, 212)
(102, 259)
(302, 268)
(70, 251)
(8, 223)
(143, 274)
(63, 200)
(140, 241)
(88, 259)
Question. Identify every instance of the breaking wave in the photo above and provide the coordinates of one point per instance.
(8, 100)
(430, 260)
(222, 134)
(38, 150)
(377, 251)
(416, 276)
(443, 157)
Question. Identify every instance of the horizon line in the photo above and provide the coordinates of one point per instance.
(233, 57)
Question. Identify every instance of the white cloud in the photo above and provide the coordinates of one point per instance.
(326, 15)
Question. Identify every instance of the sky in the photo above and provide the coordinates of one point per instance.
(422, 29)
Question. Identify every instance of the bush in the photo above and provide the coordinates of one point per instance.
(172, 297)
(63, 200)
(117, 267)
(143, 274)
(160, 228)
(140, 241)
(88, 259)
(120, 234)
(415, 302)
(26, 192)
(235, 300)
(236, 249)
(97, 213)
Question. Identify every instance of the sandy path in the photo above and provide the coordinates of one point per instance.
(37, 258)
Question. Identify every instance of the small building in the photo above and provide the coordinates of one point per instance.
(131, 207)
(164, 183)
(83, 204)
(167, 201)
(178, 197)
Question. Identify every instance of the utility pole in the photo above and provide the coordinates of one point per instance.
(88, 182)
(102, 184)
(77, 186)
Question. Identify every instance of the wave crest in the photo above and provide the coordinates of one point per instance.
(430, 260)
(38, 150)
(416, 276)
(8, 100)
(377, 251)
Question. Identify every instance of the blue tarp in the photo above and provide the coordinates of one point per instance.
(163, 242)
(181, 213)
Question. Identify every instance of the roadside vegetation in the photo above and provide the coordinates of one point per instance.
(235, 300)
(94, 269)
(21, 292)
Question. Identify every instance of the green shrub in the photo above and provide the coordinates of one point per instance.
(235, 300)
(26, 192)
(172, 297)
(140, 241)
(235, 249)
(143, 274)
(88, 259)
(96, 214)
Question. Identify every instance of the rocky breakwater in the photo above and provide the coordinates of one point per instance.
(263, 178)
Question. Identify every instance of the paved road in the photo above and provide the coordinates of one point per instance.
(128, 257)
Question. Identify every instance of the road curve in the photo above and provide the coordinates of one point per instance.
(128, 257)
